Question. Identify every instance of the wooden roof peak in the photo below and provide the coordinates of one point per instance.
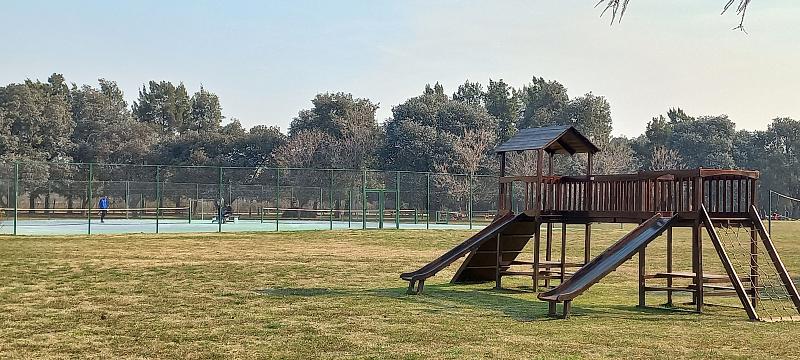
(558, 139)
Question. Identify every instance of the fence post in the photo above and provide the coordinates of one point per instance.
(428, 200)
(330, 202)
(769, 212)
(277, 198)
(469, 213)
(349, 207)
(219, 200)
(89, 200)
(16, 194)
(158, 195)
(397, 201)
(127, 198)
(364, 200)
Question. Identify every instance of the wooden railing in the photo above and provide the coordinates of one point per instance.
(722, 192)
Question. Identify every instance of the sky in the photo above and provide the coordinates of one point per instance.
(267, 59)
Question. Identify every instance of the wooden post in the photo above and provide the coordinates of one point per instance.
(549, 241)
(551, 184)
(536, 240)
(587, 244)
(563, 251)
(641, 277)
(754, 265)
(751, 184)
(539, 165)
(497, 276)
(669, 266)
(697, 238)
(697, 248)
(501, 200)
(548, 254)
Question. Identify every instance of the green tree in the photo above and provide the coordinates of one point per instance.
(164, 105)
(543, 102)
(205, 112)
(105, 130)
(36, 128)
(503, 102)
(423, 131)
(591, 115)
(335, 114)
(36, 120)
(343, 129)
(705, 142)
(470, 93)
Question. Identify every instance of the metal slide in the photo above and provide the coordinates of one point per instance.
(489, 232)
(609, 260)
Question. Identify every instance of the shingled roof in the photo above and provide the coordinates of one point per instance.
(562, 139)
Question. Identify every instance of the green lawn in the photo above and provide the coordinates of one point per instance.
(338, 295)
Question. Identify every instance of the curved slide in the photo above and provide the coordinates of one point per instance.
(489, 232)
(609, 260)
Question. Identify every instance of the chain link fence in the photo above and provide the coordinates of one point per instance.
(39, 198)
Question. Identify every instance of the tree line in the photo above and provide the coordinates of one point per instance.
(436, 131)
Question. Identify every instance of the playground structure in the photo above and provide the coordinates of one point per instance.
(721, 203)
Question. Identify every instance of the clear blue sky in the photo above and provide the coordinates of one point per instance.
(266, 60)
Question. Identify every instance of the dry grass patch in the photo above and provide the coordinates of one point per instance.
(337, 294)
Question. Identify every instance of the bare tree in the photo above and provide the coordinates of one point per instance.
(304, 150)
(472, 148)
(521, 163)
(664, 158)
(470, 152)
(616, 158)
(618, 7)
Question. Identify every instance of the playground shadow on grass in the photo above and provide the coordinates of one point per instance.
(301, 292)
(519, 304)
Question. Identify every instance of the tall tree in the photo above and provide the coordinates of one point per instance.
(340, 127)
(470, 93)
(705, 142)
(429, 124)
(334, 114)
(105, 130)
(37, 123)
(164, 105)
(503, 102)
(36, 127)
(591, 115)
(205, 112)
(543, 103)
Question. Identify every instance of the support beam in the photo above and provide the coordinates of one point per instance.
(754, 265)
(669, 266)
(499, 258)
(563, 252)
(536, 239)
(538, 194)
(587, 243)
(642, 267)
(548, 251)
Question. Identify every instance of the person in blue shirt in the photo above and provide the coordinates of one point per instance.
(103, 205)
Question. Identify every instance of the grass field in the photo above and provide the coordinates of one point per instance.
(337, 295)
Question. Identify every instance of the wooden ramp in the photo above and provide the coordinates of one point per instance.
(501, 225)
